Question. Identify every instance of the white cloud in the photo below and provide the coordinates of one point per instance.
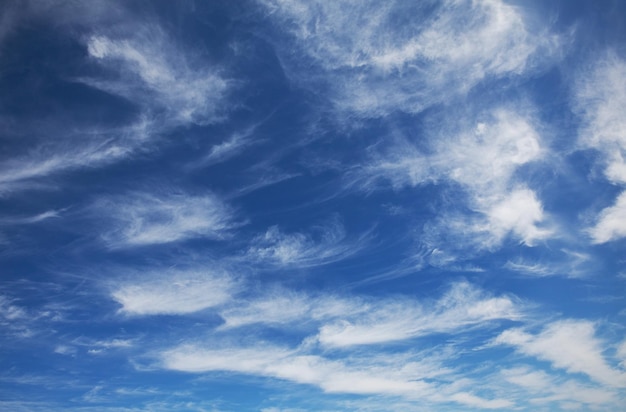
(363, 376)
(601, 97)
(350, 321)
(477, 402)
(531, 269)
(544, 388)
(481, 153)
(331, 376)
(9, 311)
(374, 59)
(142, 218)
(570, 345)
(304, 309)
(227, 149)
(569, 264)
(45, 161)
(170, 87)
(172, 292)
(40, 217)
(158, 75)
(486, 153)
(326, 244)
(463, 306)
(519, 213)
(611, 223)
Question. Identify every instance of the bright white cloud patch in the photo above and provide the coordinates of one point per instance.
(304, 309)
(483, 157)
(463, 306)
(350, 321)
(363, 376)
(174, 292)
(611, 223)
(570, 345)
(519, 213)
(377, 60)
(147, 219)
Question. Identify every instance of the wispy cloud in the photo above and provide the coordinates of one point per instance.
(611, 224)
(304, 309)
(155, 73)
(9, 311)
(169, 85)
(570, 345)
(143, 218)
(232, 146)
(174, 291)
(373, 60)
(326, 244)
(463, 306)
(49, 160)
(27, 220)
(481, 152)
(600, 96)
(19, 321)
(544, 388)
(363, 376)
(568, 263)
(344, 321)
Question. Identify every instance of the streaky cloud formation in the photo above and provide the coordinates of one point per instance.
(610, 225)
(173, 291)
(289, 205)
(154, 74)
(463, 306)
(483, 159)
(567, 344)
(374, 60)
(325, 245)
(600, 96)
(360, 376)
(143, 218)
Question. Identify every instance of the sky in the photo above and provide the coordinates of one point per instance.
(311, 205)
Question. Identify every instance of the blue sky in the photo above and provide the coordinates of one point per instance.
(310, 205)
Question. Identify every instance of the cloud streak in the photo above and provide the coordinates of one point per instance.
(142, 218)
(174, 291)
(482, 153)
(570, 345)
(462, 307)
(326, 244)
(354, 376)
(374, 60)
(158, 76)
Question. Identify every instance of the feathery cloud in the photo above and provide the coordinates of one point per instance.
(143, 218)
(374, 60)
(462, 307)
(611, 224)
(174, 292)
(570, 345)
(326, 244)
(157, 75)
